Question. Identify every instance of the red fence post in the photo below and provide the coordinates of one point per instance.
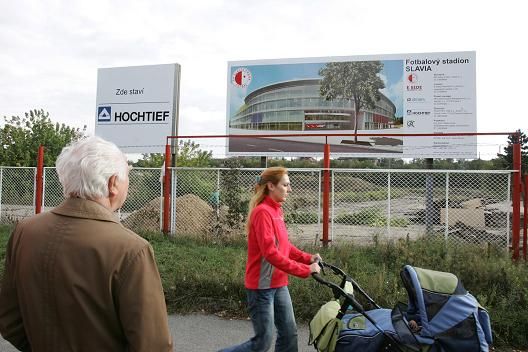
(39, 180)
(326, 193)
(516, 221)
(525, 217)
(166, 190)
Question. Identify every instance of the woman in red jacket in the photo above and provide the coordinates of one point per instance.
(271, 257)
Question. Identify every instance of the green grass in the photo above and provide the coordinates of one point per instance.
(370, 217)
(301, 218)
(208, 275)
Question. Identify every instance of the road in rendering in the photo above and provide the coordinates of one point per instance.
(269, 145)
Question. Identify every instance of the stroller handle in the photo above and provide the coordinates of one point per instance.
(338, 290)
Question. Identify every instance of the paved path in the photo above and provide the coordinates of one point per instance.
(197, 333)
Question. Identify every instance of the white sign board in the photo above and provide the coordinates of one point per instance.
(439, 97)
(137, 106)
(409, 94)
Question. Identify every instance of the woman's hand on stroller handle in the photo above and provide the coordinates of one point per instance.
(317, 264)
(315, 268)
(316, 258)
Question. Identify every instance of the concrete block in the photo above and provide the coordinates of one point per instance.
(469, 217)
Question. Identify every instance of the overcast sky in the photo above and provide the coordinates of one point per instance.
(50, 50)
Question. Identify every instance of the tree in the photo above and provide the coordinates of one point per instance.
(507, 157)
(357, 81)
(150, 160)
(189, 154)
(232, 194)
(20, 139)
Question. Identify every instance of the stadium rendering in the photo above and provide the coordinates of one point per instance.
(297, 105)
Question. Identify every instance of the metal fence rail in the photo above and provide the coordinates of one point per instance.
(367, 204)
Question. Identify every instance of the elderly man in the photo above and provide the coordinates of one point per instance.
(77, 280)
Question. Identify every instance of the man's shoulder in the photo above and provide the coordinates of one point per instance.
(34, 221)
(109, 233)
(114, 241)
(119, 234)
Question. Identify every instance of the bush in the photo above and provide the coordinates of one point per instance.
(191, 182)
(232, 194)
(363, 217)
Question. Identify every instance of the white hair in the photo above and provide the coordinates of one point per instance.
(85, 166)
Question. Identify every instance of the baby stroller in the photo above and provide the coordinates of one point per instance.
(449, 318)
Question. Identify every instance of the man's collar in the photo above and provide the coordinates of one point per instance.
(85, 209)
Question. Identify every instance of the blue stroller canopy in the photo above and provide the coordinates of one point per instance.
(445, 310)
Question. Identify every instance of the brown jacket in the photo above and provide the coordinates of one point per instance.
(77, 280)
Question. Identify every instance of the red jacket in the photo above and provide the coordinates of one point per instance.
(271, 256)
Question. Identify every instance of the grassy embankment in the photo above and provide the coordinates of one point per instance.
(207, 276)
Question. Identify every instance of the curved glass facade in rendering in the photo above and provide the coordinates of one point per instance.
(298, 106)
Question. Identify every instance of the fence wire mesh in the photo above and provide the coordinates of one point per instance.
(456, 205)
(215, 201)
(467, 206)
(359, 206)
(52, 194)
(17, 193)
(142, 208)
(195, 201)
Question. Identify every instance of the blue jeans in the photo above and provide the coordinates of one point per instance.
(267, 308)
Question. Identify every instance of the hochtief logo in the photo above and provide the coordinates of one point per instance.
(414, 112)
(104, 113)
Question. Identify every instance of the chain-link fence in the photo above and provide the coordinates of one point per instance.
(52, 193)
(469, 206)
(17, 193)
(142, 208)
(215, 201)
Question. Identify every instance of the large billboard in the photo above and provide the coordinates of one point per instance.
(137, 106)
(376, 95)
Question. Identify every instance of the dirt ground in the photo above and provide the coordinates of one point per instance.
(193, 216)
